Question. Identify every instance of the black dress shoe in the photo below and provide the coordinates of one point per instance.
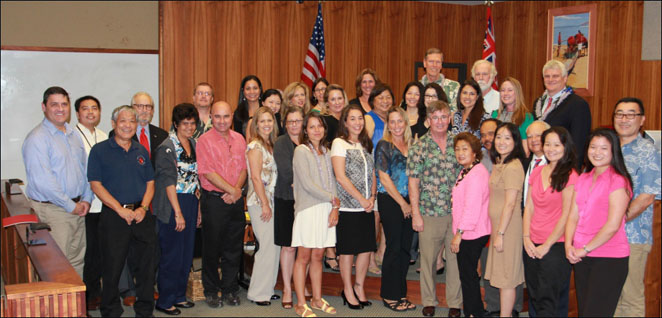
(172, 312)
(263, 303)
(454, 312)
(428, 311)
(515, 313)
(186, 304)
(275, 297)
(231, 299)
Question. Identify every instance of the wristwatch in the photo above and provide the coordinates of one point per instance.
(145, 207)
(460, 231)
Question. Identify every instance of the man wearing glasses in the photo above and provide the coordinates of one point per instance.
(642, 160)
(203, 97)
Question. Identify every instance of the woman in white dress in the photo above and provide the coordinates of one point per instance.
(315, 212)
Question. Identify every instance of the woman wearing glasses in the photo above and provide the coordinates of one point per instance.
(317, 99)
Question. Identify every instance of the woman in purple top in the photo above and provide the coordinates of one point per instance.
(546, 270)
(595, 240)
(471, 220)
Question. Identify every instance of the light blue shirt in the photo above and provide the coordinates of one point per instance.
(56, 165)
(642, 160)
(149, 142)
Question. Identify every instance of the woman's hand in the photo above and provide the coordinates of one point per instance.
(406, 210)
(266, 213)
(333, 218)
(571, 255)
(455, 243)
(498, 243)
(367, 204)
(529, 247)
(180, 223)
(541, 250)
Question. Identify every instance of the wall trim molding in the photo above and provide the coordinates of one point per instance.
(75, 49)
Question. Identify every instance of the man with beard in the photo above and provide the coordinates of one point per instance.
(484, 73)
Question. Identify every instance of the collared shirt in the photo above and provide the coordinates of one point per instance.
(529, 169)
(225, 156)
(149, 141)
(55, 164)
(436, 172)
(123, 173)
(642, 160)
(491, 101)
(89, 140)
(451, 88)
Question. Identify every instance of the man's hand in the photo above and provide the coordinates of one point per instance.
(81, 209)
(231, 198)
(126, 214)
(139, 214)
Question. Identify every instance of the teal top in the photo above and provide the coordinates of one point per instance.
(528, 120)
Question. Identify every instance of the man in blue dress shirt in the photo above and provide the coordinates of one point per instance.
(55, 165)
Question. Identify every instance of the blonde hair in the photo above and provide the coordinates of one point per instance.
(289, 93)
(555, 64)
(519, 114)
(387, 132)
(333, 87)
(253, 128)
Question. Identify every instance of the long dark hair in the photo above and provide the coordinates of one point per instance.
(421, 99)
(441, 95)
(313, 100)
(567, 163)
(242, 103)
(478, 110)
(343, 132)
(518, 149)
(304, 139)
(617, 161)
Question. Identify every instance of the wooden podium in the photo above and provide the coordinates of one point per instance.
(39, 280)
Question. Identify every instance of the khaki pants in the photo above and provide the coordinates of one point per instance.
(67, 230)
(633, 301)
(265, 266)
(438, 233)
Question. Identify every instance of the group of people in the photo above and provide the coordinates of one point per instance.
(469, 169)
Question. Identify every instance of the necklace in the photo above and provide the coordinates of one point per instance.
(87, 141)
(329, 185)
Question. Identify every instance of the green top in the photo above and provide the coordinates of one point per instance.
(528, 120)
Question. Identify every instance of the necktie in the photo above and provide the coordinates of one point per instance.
(549, 104)
(537, 163)
(144, 142)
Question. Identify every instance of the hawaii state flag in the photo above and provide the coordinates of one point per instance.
(489, 44)
(313, 65)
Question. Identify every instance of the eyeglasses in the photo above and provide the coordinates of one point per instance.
(320, 90)
(626, 116)
(295, 122)
(431, 96)
(143, 106)
(201, 93)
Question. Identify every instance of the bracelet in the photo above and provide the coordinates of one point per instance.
(335, 207)
(586, 249)
(501, 233)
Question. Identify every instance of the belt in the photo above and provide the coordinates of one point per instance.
(76, 199)
(132, 206)
(214, 193)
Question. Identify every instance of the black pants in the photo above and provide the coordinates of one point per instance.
(134, 244)
(546, 278)
(467, 262)
(93, 260)
(599, 282)
(223, 228)
(398, 233)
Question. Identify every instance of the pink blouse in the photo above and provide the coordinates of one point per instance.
(593, 207)
(547, 206)
(470, 204)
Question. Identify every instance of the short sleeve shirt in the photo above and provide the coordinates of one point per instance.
(436, 172)
(593, 207)
(123, 173)
(225, 156)
(548, 206)
(359, 168)
(390, 160)
(642, 160)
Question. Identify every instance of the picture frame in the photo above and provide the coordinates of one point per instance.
(571, 39)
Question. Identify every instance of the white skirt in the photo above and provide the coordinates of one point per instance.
(311, 227)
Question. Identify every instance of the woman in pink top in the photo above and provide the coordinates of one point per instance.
(471, 220)
(595, 240)
(546, 270)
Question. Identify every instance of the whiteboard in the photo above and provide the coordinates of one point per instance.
(113, 78)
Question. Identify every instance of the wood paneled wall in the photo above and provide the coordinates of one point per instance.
(221, 42)
(521, 50)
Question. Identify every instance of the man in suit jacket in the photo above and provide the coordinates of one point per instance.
(560, 106)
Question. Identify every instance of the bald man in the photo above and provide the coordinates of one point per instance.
(222, 172)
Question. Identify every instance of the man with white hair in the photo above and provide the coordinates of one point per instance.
(484, 73)
(560, 106)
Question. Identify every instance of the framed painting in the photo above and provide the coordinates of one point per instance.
(571, 37)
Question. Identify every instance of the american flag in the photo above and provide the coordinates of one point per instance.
(313, 65)
(489, 44)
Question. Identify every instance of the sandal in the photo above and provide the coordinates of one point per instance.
(375, 270)
(325, 307)
(287, 305)
(307, 312)
(394, 305)
(335, 268)
(408, 304)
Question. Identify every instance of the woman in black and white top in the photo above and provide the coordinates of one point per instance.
(354, 169)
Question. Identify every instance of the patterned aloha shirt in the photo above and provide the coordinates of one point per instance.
(642, 160)
(437, 173)
(451, 88)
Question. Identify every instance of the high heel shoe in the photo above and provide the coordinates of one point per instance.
(346, 302)
(363, 303)
(333, 268)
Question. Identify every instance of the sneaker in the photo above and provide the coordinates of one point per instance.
(213, 301)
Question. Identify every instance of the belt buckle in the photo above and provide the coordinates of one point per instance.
(129, 206)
